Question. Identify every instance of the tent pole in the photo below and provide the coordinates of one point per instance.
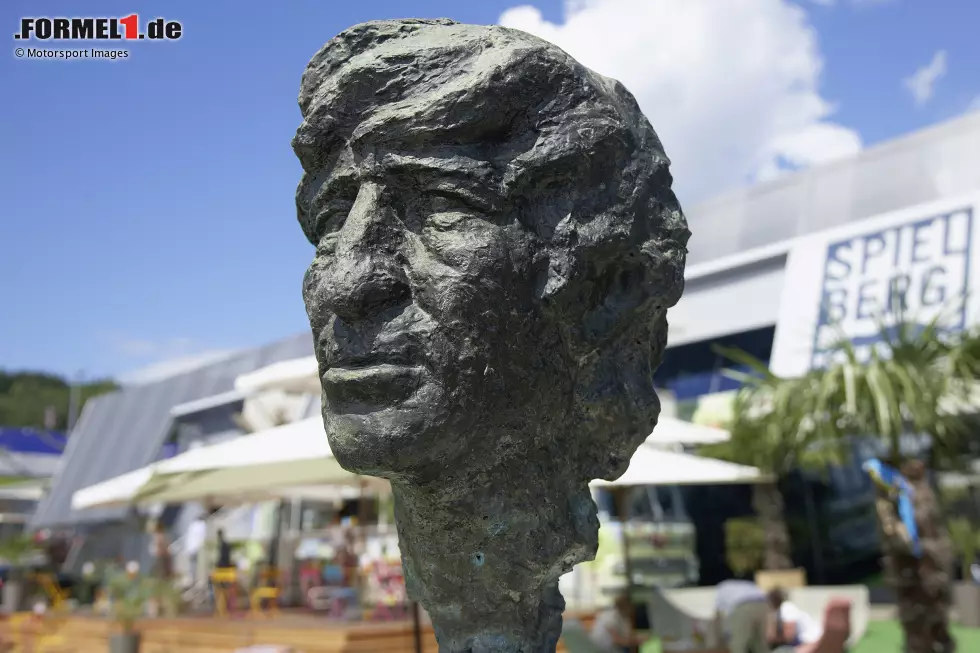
(417, 626)
(623, 509)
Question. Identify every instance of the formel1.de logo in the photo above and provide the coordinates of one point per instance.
(127, 28)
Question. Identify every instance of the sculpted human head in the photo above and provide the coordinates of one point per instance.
(497, 245)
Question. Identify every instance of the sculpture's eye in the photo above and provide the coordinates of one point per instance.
(449, 196)
(446, 212)
(444, 203)
(331, 218)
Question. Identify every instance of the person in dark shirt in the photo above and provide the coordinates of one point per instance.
(224, 551)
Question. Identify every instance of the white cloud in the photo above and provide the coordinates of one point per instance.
(731, 87)
(922, 83)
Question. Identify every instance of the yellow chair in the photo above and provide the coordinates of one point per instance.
(223, 580)
(263, 594)
(55, 593)
(266, 591)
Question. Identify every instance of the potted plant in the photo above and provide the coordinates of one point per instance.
(16, 553)
(744, 545)
(966, 593)
(127, 594)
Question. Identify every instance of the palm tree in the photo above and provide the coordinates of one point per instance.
(772, 428)
(917, 381)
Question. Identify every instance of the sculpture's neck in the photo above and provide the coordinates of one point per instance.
(484, 562)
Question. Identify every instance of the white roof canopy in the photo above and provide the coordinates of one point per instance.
(670, 430)
(292, 442)
(118, 491)
(288, 460)
(298, 375)
(653, 466)
(275, 463)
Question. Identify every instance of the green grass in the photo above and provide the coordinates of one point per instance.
(884, 637)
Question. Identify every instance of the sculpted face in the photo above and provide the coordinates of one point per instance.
(483, 268)
(421, 278)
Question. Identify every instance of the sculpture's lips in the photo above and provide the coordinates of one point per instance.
(371, 385)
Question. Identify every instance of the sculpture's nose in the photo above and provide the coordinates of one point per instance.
(365, 275)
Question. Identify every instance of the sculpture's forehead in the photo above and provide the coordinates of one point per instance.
(387, 63)
(459, 83)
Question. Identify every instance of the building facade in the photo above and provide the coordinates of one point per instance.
(782, 269)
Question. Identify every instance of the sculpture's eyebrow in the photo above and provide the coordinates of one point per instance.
(478, 176)
(337, 180)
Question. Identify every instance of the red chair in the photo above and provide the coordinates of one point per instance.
(836, 629)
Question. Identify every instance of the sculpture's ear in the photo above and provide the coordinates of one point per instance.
(601, 290)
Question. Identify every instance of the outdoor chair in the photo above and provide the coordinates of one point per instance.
(386, 587)
(57, 595)
(836, 629)
(310, 578)
(225, 583)
(264, 595)
(266, 591)
(576, 639)
(815, 600)
(333, 596)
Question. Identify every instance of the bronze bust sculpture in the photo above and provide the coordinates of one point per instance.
(497, 245)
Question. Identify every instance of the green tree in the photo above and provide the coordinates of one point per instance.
(918, 381)
(26, 397)
(773, 428)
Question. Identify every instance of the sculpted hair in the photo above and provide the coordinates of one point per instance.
(577, 161)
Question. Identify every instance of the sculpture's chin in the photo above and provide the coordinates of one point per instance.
(387, 440)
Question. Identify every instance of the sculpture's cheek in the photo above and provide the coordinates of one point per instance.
(473, 246)
(312, 281)
(456, 274)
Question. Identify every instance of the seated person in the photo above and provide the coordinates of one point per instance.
(612, 631)
(790, 626)
(741, 614)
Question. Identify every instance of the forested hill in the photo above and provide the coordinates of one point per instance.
(25, 397)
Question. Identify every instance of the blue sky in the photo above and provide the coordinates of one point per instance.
(148, 203)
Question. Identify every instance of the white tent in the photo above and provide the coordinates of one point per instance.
(298, 375)
(670, 431)
(118, 491)
(297, 441)
(653, 466)
(276, 463)
(29, 490)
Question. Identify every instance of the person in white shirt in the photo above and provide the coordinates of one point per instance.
(792, 626)
(611, 631)
(194, 539)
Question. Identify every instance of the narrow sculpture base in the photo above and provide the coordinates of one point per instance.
(488, 585)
